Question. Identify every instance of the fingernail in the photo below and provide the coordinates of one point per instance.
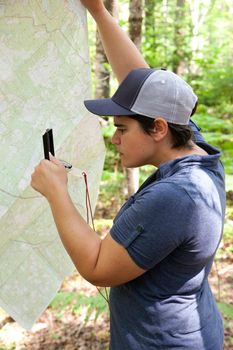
(50, 155)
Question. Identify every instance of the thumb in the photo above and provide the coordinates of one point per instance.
(54, 160)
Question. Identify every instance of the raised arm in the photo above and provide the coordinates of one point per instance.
(121, 52)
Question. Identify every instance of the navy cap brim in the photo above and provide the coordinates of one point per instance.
(106, 107)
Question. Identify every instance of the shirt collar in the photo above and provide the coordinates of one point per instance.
(170, 167)
(210, 160)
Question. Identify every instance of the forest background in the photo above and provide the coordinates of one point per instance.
(193, 38)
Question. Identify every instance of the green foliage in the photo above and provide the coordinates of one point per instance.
(113, 178)
(227, 239)
(173, 35)
(218, 50)
(226, 309)
(103, 226)
(216, 88)
(211, 123)
(77, 301)
(229, 183)
(145, 172)
(219, 133)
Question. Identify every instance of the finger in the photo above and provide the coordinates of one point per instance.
(43, 162)
(54, 160)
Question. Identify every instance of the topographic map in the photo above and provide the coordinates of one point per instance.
(45, 76)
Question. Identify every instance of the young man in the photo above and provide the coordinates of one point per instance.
(160, 250)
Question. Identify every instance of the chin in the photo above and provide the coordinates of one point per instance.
(130, 165)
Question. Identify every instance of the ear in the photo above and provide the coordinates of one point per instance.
(160, 130)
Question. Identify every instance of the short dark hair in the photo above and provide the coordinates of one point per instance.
(181, 134)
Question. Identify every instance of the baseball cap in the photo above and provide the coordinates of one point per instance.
(149, 92)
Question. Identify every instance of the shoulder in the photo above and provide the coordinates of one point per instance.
(169, 192)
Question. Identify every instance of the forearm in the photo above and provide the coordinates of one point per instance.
(121, 52)
(81, 242)
(101, 262)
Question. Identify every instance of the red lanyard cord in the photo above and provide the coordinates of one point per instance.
(88, 202)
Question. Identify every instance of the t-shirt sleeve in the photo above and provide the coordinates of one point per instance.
(154, 224)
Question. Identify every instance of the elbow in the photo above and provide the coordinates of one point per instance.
(98, 282)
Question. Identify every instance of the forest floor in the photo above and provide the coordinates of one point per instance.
(66, 327)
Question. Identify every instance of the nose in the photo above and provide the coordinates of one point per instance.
(115, 138)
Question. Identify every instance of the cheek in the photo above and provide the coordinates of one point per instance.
(145, 148)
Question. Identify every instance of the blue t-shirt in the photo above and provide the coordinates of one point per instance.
(171, 227)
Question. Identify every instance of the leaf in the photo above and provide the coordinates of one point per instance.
(75, 301)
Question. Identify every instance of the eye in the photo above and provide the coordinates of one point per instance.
(121, 130)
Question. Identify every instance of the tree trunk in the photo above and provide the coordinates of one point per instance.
(135, 30)
(135, 22)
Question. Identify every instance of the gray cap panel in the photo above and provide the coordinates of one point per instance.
(165, 94)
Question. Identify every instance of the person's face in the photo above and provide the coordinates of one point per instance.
(136, 148)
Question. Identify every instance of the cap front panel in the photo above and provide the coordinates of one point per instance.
(128, 90)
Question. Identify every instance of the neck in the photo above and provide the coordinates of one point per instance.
(173, 153)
